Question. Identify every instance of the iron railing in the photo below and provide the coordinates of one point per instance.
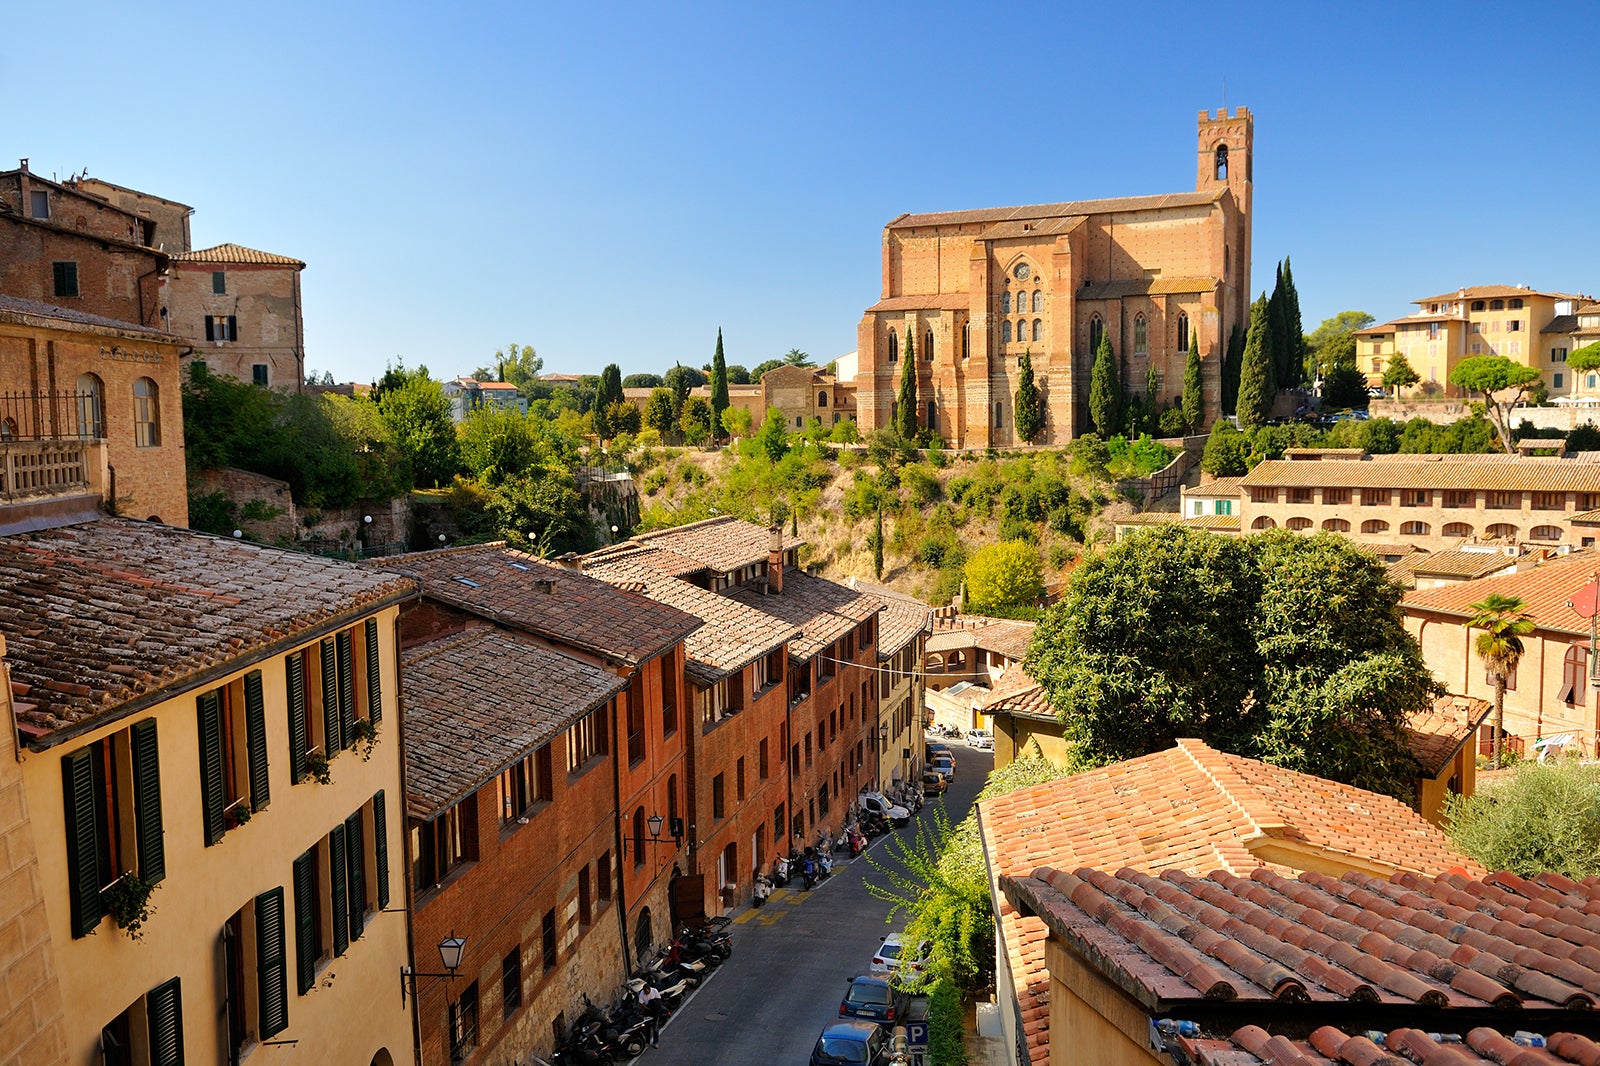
(58, 414)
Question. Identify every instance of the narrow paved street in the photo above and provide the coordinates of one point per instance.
(792, 957)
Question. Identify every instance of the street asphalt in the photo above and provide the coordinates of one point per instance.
(792, 957)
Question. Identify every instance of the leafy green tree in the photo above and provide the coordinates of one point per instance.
(1501, 382)
(518, 364)
(660, 412)
(642, 381)
(1333, 343)
(764, 366)
(795, 357)
(1502, 621)
(1585, 358)
(877, 544)
(1004, 576)
(417, 413)
(719, 383)
(680, 379)
(1232, 361)
(1399, 374)
(1193, 387)
(1257, 387)
(696, 420)
(1227, 452)
(1584, 438)
(1029, 406)
(1543, 818)
(1344, 387)
(1105, 389)
(905, 412)
(736, 421)
(773, 436)
(738, 375)
(500, 444)
(607, 396)
(1277, 646)
(1091, 457)
(623, 417)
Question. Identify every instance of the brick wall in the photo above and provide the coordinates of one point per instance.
(259, 495)
(264, 301)
(114, 280)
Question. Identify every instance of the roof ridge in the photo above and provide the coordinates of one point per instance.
(1252, 805)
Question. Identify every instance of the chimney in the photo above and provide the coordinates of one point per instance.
(775, 560)
(570, 561)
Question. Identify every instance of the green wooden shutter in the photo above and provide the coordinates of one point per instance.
(332, 742)
(296, 679)
(356, 857)
(305, 922)
(374, 674)
(255, 731)
(213, 800)
(380, 846)
(344, 642)
(147, 801)
(164, 1011)
(83, 863)
(272, 978)
(337, 895)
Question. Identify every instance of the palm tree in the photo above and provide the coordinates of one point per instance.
(1504, 621)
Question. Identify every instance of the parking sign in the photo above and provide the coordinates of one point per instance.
(917, 1036)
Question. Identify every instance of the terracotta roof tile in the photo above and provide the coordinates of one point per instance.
(1464, 563)
(823, 610)
(522, 591)
(1437, 733)
(1489, 1046)
(1545, 589)
(15, 308)
(1510, 473)
(723, 544)
(898, 625)
(1002, 636)
(1487, 292)
(1017, 693)
(1119, 290)
(478, 701)
(99, 615)
(235, 253)
(1074, 207)
(943, 301)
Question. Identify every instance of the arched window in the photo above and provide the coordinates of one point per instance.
(1038, 329)
(1263, 523)
(1497, 305)
(146, 413)
(1477, 305)
(643, 938)
(966, 340)
(1298, 523)
(1590, 381)
(999, 414)
(8, 428)
(933, 416)
(1501, 531)
(822, 399)
(927, 346)
(1414, 529)
(1573, 668)
(1005, 302)
(1222, 162)
(1141, 335)
(1515, 304)
(1545, 533)
(1038, 301)
(1374, 525)
(1097, 329)
(1005, 332)
(958, 661)
(91, 402)
(935, 663)
(1183, 331)
(894, 347)
(1457, 529)
(1336, 525)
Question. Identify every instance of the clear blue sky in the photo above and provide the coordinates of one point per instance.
(614, 182)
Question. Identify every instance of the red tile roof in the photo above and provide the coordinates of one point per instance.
(235, 253)
(722, 544)
(1017, 693)
(1002, 636)
(1514, 473)
(1252, 1046)
(478, 701)
(1057, 210)
(1190, 808)
(1485, 292)
(1437, 733)
(823, 610)
(1545, 589)
(524, 592)
(107, 617)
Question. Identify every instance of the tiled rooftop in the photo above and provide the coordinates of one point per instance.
(1511, 473)
(1545, 589)
(478, 701)
(722, 544)
(525, 592)
(1487, 292)
(1437, 733)
(1328, 1046)
(1273, 944)
(1218, 486)
(1194, 809)
(110, 613)
(1017, 693)
(902, 619)
(1457, 562)
(236, 253)
(733, 635)
(1000, 635)
(16, 309)
(823, 610)
(1074, 207)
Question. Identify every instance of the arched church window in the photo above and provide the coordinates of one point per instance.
(91, 407)
(894, 347)
(1005, 302)
(999, 414)
(927, 346)
(1222, 162)
(1183, 332)
(933, 416)
(966, 340)
(1005, 332)
(1141, 335)
(822, 399)
(1038, 329)
(1038, 301)
(1097, 329)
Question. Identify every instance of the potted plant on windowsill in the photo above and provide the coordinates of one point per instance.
(365, 733)
(127, 900)
(317, 766)
(237, 813)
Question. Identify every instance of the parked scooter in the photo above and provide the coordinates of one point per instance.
(763, 889)
(855, 840)
(808, 872)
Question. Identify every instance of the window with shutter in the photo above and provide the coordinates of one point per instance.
(83, 846)
(356, 874)
(147, 801)
(380, 847)
(307, 941)
(336, 890)
(164, 1015)
(255, 731)
(213, 780)
(332, 742)
(299, 727)
(374, 673)
(347, 688)
(272, 978)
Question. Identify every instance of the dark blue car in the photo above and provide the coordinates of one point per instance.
(851, 1044)
(875, 999)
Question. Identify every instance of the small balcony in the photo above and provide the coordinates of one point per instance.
(52, 458)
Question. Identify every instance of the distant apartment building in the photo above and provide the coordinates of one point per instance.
(467, 395)
(1532, 327)
(241, 309)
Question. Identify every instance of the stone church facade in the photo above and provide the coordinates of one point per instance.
(976, 289)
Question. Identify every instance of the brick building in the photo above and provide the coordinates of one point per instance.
(166, 222)
(972, 290)
(91, 415)
(802, 393)
(210, 727)
(241, 309)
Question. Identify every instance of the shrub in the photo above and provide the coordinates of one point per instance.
(1543, 818)
(921, 486)
(1019, 529)
(1172, 422)
(946, 1025)
(1004, 575)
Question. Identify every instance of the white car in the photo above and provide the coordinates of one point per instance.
(981, 739)
(877, 803)
(897, 960)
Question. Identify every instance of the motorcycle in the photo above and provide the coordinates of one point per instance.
(808, 873)
(763, 889)
(780, 870)
(856, 841)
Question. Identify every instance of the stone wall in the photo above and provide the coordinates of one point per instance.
(265, 510)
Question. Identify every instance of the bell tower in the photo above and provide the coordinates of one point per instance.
(1226, 144)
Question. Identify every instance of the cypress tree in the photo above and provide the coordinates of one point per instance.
(1231, 362)
(1193, 397)
(1028, 409)
(877, 547)
(719, 387)
(906, 414)
(1293, 327)
(1257, 387)
(608, 393)
(1105, 390)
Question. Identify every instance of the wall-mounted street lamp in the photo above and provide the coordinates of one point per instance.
(451, 948)
(656, 823)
